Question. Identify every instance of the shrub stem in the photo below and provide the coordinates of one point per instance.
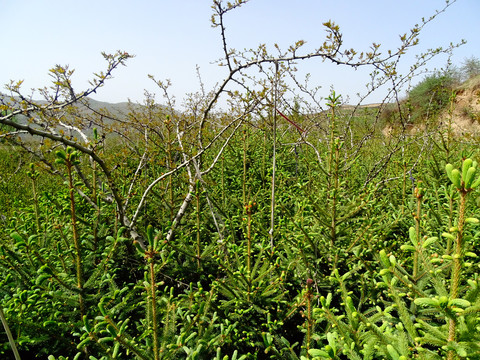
(457, 267)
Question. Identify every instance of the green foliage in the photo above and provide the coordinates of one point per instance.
(429, 97)
(423, 315)
(229, 294)
(238, 235)
(471, 67)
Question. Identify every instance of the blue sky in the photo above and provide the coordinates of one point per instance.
(170, 38)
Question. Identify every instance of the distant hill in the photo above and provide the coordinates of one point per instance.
(120, 109)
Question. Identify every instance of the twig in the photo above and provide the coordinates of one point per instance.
(9, 335)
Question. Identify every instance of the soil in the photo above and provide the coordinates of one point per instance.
(466, 109)
(464, 112)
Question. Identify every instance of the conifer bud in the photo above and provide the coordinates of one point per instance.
(456, 178)
(469, 177)
(139, 248)
(449, 168)
(384, 259)
(476, 183)
(413, 235)
(150, 236)
(467, 164)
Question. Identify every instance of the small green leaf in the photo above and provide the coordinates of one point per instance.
(384, 258)
(123, 327)
(116, 350)
(426, 302)
(476, 183)
(331, 341)
(413, 236)
(107, 339)
(86, 324)
(83, 343)
(111, 330)
(448, 236)
(443, 301)
(150, 236)
(102, 308)
(467, 164)
(407, 248)
(449, 168)
(429, 241)
(16, 236)
(459, 302)
(393, 260)
(318, 353)
(329, 299)
(456, 178)
(121, 231)
(139, 248)
(470, 177)
(61, 155)
(41, 278)
(45, 269)
(393, 353)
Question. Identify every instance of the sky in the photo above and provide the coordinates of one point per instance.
(171, 38)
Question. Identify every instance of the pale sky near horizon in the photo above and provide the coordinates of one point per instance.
(170, 38)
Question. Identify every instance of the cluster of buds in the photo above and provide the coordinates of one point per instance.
(167, 121)
(310, 283)
(69, 157)
(250, 207)
(32, 174)
(419, 190)
(464, 180)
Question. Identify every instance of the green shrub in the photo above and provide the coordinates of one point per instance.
(471, 67)
(431, 96)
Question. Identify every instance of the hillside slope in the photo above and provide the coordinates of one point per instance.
(466, 108)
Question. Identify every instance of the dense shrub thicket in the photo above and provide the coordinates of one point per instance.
(355, 268)
(431, 95)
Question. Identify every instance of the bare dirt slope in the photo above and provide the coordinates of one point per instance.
(466, 109)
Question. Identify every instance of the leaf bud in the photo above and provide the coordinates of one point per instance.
(150, 235)
(413, 235)
(476, 183)
(139, 248)
(456, 178)
(469, 177)
(472, 220)
(467, 164)
(384, 258)
(61, 154)
(449, 168)
(393, 261)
